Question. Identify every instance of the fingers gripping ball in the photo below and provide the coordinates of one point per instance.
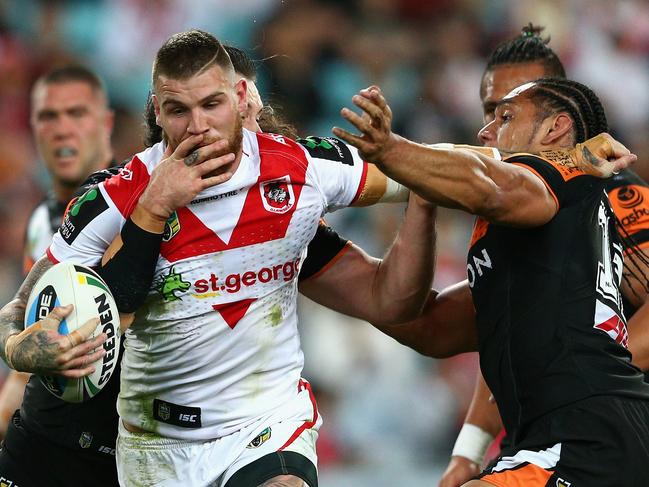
(67, 283)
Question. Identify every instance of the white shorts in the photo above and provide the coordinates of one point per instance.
(146, 459)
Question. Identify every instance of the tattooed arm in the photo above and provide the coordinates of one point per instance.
(40, 348)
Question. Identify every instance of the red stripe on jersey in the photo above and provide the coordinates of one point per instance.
(50, 256)
(125, 188)
(267, 210)
(361, 184)
(301, 385)
(233, 312)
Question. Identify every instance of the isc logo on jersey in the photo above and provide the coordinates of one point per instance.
(66, 283)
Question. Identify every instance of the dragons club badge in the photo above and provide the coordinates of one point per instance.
(277, 194)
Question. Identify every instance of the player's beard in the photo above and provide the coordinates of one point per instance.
(235, 142)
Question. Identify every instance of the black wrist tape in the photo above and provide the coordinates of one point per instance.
(130, 272)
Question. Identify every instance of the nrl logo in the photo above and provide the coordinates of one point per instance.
(277, 195)
(172, 227)
(85, 439)
(164, 412)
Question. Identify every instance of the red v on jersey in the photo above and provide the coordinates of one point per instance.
(269, 206)
(233, 312)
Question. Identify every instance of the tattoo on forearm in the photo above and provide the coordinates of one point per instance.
(37, 350)
(13, 314)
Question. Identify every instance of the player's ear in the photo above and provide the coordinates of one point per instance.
(156, 108)
(241, 90)
(557, 128)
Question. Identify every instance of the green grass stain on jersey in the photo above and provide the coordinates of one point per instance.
(275, 315)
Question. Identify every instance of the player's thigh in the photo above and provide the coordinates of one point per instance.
(477, 483)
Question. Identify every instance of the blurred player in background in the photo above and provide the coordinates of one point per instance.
(72, 124)
(512, 63)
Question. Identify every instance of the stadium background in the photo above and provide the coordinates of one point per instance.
(390, 415)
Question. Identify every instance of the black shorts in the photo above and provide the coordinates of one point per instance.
(31, 460)
(602, 441)
(272, 465)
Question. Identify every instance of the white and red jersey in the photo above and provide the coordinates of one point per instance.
(216, 346)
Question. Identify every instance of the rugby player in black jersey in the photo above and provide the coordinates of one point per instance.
(544, 271)
(514, 62)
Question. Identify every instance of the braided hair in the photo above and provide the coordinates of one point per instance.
(554, 95)
(528, 47)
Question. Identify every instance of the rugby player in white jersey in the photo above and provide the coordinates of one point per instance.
(211, 375)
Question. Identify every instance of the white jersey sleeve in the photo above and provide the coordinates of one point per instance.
(96, 218)
(337, 170)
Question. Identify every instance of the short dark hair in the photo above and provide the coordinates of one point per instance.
(269, 120)
(70, 73)
(528, 47)
(188, 53)
(554, 95)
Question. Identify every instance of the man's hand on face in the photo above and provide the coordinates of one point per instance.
(41, 349)
(195, 165)
(375, 125)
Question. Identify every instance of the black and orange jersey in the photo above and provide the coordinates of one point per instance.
(629, 196)
(550, 324)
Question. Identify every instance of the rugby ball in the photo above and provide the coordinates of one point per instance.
(67, 283)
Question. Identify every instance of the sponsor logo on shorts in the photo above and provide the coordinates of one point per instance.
(170, 413)
(5, 482)
(85, 440)
(106, 449)
(260, 439)
(164, 411)
(277, 195)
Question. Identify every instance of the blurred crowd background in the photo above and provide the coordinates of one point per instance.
(390, 415)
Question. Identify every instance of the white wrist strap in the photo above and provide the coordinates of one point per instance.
(472, 443)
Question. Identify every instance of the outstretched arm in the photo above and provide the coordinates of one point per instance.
(457, 178)
(382, 291)
(445, 327)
